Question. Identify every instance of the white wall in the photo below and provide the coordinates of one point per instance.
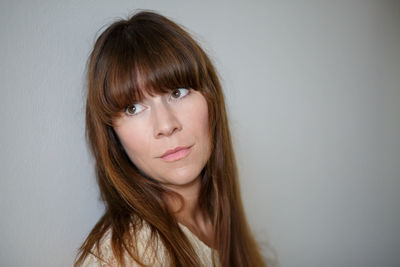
(313, 90)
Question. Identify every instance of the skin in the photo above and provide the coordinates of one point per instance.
(163, 122)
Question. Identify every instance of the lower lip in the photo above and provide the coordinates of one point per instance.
(177, 155)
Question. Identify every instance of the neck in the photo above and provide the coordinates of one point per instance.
(189, 211)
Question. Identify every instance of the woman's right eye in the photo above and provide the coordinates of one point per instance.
(134, 109)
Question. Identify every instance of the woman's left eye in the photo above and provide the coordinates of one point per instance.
(179, 92)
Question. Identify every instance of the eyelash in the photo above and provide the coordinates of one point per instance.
(180, 97)
(170, 98)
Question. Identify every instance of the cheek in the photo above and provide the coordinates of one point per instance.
(195, 115)
(135, 145)
(203, 119)
(203, 124)
(199, 124)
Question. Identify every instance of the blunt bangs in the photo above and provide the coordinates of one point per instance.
(147, 59)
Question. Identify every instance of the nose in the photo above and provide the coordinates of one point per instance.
(165, 121)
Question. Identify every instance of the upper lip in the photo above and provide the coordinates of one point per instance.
(176, 149)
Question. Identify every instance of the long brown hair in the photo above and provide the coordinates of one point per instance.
(149, 52)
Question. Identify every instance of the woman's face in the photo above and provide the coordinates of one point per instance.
(166, 136)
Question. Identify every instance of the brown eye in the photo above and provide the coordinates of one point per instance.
(176, 93)
(179, 92)
(131, 109)
(134, 109)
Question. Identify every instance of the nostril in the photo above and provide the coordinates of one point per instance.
(166, 127)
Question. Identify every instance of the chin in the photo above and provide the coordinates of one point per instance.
(181, 178)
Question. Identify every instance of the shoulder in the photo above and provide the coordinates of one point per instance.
(148, 249)
(102, 254)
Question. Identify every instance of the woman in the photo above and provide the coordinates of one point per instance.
(157, 126)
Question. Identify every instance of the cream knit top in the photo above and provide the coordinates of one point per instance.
(147, 254)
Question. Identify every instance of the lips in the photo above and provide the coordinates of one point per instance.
(176, 153)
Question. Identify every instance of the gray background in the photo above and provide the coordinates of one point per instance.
(313, 93)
